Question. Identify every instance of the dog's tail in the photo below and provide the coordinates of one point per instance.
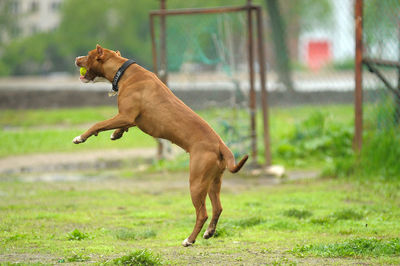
(230, 159)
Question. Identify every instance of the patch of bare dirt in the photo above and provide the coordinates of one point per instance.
(50, 162)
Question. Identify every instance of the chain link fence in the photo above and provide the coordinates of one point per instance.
(381, 89)
(310, 75)
(381, 76)
(316, 89)
(207, 67)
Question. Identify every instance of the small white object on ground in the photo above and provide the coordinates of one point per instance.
(275, 170)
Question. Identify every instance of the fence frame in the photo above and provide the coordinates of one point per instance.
(371, 64)
(358, 92)
(251, 10)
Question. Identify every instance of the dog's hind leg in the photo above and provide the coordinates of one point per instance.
(214, 193)
(202, 169)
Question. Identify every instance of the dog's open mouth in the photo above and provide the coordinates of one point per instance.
(84, 78)
(86, 75)
(89, 77)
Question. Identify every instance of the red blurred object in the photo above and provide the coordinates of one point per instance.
(318, 54)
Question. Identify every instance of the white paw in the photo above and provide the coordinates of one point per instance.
(186, 243)
(78, 140)
(112, 137)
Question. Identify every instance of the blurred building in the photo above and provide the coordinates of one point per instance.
(34, 16)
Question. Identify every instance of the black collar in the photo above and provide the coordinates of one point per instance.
(120, 72)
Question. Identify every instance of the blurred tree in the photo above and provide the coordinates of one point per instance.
(118, 24)
(8, 30)
(280, 44)
(300, 15)
(8, 21)
(30, 56)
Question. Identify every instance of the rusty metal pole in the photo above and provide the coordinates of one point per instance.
(163, 45)
(263, 81)
(153, 44)
(252, 96)
(163, 67)
(358, 94)
(397, 98)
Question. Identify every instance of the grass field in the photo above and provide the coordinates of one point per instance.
(43, 131)
(122, 216)
(110, 214)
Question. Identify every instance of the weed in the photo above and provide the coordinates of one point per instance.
(127, 234)
(347, 214)
(248, 222)
(15, 237)
(371, 247)
(20, 264)
(223, 231)
(344, 214)
(321, 220)
(75, 258)
(380, 152)
(299, 214)
(229, 228)
(76, 235)
(139, 257)
(315, 137)
(346, 232)
(283, 225)
(340, 167)
(283, 261)
(253, 204)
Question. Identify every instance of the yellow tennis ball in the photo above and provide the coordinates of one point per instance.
(83, 71)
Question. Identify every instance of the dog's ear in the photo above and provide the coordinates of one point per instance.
(100, 50)
(118, 53)
(100, 53)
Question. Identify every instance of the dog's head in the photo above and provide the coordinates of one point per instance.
(94, 62)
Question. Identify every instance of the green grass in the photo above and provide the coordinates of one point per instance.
(44, 131)
(293, 144)
(129, 234)
(74, 258)
(125, 217)
(29, 141)
(299, 214)
(295, 223)
(140, 258)
(76, 235)
(358, 247)
(52, 117)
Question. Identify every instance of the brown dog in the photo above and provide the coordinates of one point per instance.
(144, 101)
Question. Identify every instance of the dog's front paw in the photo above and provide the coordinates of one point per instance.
(187, 243)
(78, 140)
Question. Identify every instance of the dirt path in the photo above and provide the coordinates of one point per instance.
(51, 163)
(72, 161)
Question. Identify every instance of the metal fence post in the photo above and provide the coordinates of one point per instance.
(163, 68)
(358, 94)
(263, 81)
(252, 98)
